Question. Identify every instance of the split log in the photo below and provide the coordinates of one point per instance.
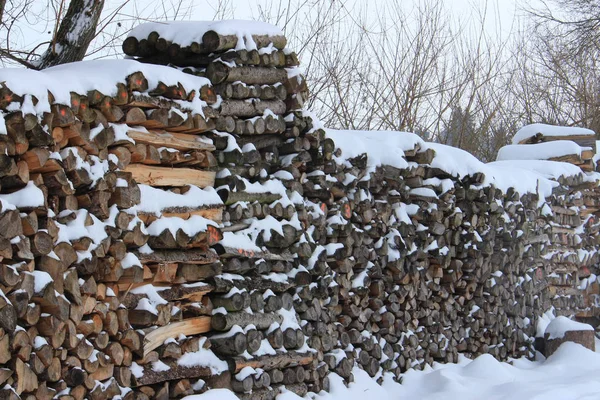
(160, 176)
(175, 372)
(179, 141)
(192, 326)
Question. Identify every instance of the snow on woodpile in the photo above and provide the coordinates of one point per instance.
(540, 151)
(28, 197)
(557, 328)
(381, 147)
(155, 200)
(552, 170)
(85, 76)
(106, 189)
(568, 374)
(184, 33)
(399, 169)
(540, 131)
(553, 143)
(388, 148)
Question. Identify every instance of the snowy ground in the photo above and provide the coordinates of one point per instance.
(573, 372)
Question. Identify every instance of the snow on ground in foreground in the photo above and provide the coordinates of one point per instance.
(569, 374)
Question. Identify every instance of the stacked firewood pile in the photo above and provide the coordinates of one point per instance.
(101, 196)
(247, 71)
(572, 255)
(425, 265)
(264, 143)
(166, 230)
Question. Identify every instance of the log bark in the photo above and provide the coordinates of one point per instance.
(224, 322)
(175, 372)
(246, 109)
(218, 73)
(267, 363)
(213, 41)
(230, 345)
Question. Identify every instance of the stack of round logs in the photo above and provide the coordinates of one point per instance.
(388, 269)
(573, 254)
(79, 222)
(264, 141)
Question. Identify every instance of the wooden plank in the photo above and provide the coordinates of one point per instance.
(178, 141)
(568, 158)
(589, 210)
(212, 213)
(188, 327)
(162, 176)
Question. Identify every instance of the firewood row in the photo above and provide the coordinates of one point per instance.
(257, 123)
(109, 214)
(262, 137)
(572, 254)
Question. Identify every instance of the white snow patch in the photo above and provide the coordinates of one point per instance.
(549, 130)
(203, 358)
(557, 328)
(184, 33)
(539, 151)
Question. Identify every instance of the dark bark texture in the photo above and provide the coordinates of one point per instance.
(76, 31)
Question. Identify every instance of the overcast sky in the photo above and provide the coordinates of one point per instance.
(500, 17)
(501, 13)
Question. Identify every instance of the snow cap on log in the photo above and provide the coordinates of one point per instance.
(155, 200)
(84, 76)
(532, 130)
(184, 33)
(552, 170)
(539, 151)
(559, 326)
(391, 148)
(562, 329)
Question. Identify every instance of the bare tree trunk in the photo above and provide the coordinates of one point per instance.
(76, 31)
(2, 4)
